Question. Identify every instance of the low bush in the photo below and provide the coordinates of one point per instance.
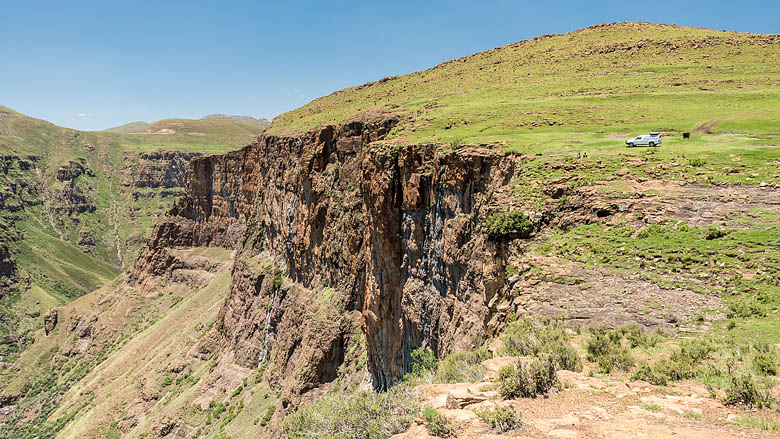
(459, 367)
(744, 307)
(653, 374)
(683, 363)
(744, 390)
(423, 362)
(269, 413)
(538, 378)
(436, 424)
(766, 360)
(714, 233)
(532, 337)
(361, 415)
(504, 224)
(501, 420)
(636, 337)
(606, 349)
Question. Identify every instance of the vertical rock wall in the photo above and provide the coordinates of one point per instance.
(396, 231)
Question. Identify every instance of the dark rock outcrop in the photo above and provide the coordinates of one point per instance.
(398, 231)
(50, 321)
(8, 270)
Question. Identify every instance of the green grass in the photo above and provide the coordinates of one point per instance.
(597, 79)
(363, 414)
(69, 255)
(762, 423)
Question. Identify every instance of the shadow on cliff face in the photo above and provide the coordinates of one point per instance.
(395, 234)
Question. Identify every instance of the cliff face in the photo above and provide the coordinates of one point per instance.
(7, 269)
(395, 232)
(158, 169)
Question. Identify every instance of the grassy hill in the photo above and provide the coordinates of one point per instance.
(609, 78)
(131, 127)
(688, 238)
(243, 119)
(72, 210)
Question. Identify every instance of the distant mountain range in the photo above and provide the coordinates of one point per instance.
(141, 126)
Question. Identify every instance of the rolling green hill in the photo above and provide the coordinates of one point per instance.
(243, 119)
(609, 78)
(131, 127)
(76, 206)
(654, 272)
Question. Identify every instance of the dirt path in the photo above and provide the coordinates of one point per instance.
(707, 127)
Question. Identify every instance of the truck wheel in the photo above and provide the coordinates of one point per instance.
(652, 144)
(630, 145)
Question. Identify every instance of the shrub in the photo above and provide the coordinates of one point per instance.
(765, 360)
(504, 224)
(501, 420)
(606, 349)
(423, 361)
(739, 306)
(636, 337)
(713, 232)
(651, 374)
(540, 336)
(697, 163)
(651, 230)
(463, 366)
(365, 415)
(744, 390)
(538, 378)
(269, 413)
(682, 364)
(436, 424)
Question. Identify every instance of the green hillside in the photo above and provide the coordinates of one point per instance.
(610, 78)
(243, 119)
(72, 211)
(132, 127)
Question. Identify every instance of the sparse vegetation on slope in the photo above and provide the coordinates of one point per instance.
(75, 207)
(362, 415)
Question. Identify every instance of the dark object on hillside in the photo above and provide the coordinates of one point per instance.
(686, 135)
(50, 321)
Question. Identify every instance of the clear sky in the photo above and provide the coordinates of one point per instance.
(97, 64)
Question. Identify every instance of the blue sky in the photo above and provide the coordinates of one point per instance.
(97, 64)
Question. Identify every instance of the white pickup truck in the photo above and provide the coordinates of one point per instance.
(652, 139)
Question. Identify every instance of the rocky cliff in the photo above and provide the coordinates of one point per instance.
(396, 232)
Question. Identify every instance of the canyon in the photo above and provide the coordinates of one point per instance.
(327, 254)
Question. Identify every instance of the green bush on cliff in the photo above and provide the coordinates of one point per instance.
(360, 415)
(505, 224)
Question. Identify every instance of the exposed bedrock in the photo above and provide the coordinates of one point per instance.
(397, 231)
